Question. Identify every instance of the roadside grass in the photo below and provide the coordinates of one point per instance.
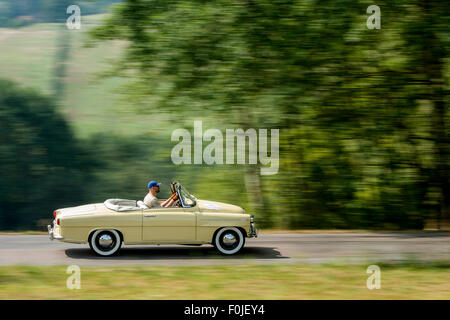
(345, 231)
(398, 281)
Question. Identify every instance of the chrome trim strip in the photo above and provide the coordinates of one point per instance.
(72, 241)
(208, 219)
(166, 242)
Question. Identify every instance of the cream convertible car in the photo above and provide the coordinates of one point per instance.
(190, 222)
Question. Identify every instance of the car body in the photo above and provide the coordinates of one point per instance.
(105, 226)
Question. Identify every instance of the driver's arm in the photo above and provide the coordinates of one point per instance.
(169, 202)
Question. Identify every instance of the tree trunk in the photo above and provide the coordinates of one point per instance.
(61, 58)
(252, 178)
(256, 195)
(433, 67)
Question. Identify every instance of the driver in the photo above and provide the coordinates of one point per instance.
(151, 200)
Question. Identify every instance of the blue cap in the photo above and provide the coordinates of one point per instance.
(152, 184)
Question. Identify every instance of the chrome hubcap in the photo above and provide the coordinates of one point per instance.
(105, 241)
(229, 239)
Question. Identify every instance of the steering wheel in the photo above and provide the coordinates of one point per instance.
(176, 203)
(172, 186)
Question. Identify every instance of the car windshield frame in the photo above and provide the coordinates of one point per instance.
(183, 194)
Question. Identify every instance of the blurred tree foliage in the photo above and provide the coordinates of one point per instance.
(363, 113)
(42, 166)
(124, 166)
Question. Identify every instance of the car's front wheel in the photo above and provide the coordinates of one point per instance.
(105, 242)
(229, 240)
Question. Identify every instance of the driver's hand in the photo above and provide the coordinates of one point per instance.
(175, 196)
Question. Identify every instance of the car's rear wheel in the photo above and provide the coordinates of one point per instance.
(229, 240)
(105, 242)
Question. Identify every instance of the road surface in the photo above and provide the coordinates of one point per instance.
(266, 249)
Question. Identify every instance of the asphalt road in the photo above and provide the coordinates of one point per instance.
(266, 249)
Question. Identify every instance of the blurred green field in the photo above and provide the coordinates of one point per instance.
(227, 282)
(94, 105)
(91, 104)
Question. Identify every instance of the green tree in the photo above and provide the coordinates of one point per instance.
(42, 166)
(363, 113)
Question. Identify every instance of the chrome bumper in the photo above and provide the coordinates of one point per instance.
(52, 235)
(253, 231)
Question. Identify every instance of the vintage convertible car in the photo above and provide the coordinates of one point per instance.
(189, 222)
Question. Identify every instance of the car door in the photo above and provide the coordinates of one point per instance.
(169, 224)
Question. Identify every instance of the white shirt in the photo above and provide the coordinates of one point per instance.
(151, 201)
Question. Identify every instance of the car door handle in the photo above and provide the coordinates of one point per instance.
(149, 215)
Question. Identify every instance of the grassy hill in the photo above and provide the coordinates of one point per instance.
(91, 104)
(133, 147)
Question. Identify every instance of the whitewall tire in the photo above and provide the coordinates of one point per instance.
(229, 240)
(105, 242)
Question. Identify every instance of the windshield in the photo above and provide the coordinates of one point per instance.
(187, 199)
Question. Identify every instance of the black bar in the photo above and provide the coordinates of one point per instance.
(223, 309)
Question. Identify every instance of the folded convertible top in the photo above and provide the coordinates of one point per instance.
(121, 204)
